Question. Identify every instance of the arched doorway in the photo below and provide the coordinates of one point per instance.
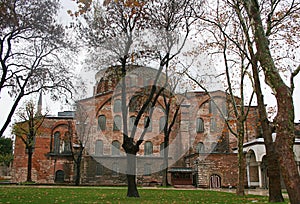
(215, 181)
(264, 174)
(59, 176)
(253, 169)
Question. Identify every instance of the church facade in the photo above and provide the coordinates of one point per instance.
(200, 151)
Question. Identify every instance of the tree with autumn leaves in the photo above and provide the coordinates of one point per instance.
(266, 33)
(267, 27)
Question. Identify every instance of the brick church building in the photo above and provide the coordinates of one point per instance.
(201, 150)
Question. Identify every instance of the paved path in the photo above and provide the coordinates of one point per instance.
(262, 192)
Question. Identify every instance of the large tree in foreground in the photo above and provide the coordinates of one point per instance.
(118, 33)
(228, 20)
(273, 170)
(33, 48)
(280, 15)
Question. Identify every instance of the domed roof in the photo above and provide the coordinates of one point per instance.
(108, 79)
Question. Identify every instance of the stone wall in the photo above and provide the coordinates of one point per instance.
(223, 165)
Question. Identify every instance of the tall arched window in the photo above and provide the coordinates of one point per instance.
(212, 107)
(101, 122)
(224, 108)
(117, 123)
(199, 125)
(213, 125)
(115, 148)
(148, 148)
(67, 143)
(56, 142)
(149, 128)
(117, 106)
(98, 147)
(200, 148)
(162, 149)
(162, 123)
(131, 122)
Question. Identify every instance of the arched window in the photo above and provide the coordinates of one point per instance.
(162, 123)
(56, 142)
(224, 108)
(212, 107)
(147, 169)
(101, 122)
(162, 149)
(199, 125)
(149, 128)
(115, 148)
(67, 143)
(200, 148)
(117, 123)
(148, 148)
(99, 147)
(134, 103)
(117, 106)
(213, 125)
(131, 122)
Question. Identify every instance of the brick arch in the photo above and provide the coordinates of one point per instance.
(99, 107)
(57, 128)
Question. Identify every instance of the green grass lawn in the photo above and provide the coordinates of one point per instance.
(33, 194)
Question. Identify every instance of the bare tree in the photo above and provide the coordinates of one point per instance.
(236, 109)
(278, 13)
(33, 48)
(172, 105)
(27, 129)
(119, 29)
(275, 194)
(79, 139)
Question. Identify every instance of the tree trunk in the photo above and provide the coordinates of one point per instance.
(284, 144)
(285, 113)
(273, 171)
(240, 191)
(77, 179)
(29, 164)
(11, 113)
(165, 165)
(131, 176)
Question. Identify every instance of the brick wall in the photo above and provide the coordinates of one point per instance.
(223, 165)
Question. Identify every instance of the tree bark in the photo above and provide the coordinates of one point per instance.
(165, 164)
(131, 176)
(29, 164)
(273, 171)
(78, 165)
(285, 114)
(240, 191)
